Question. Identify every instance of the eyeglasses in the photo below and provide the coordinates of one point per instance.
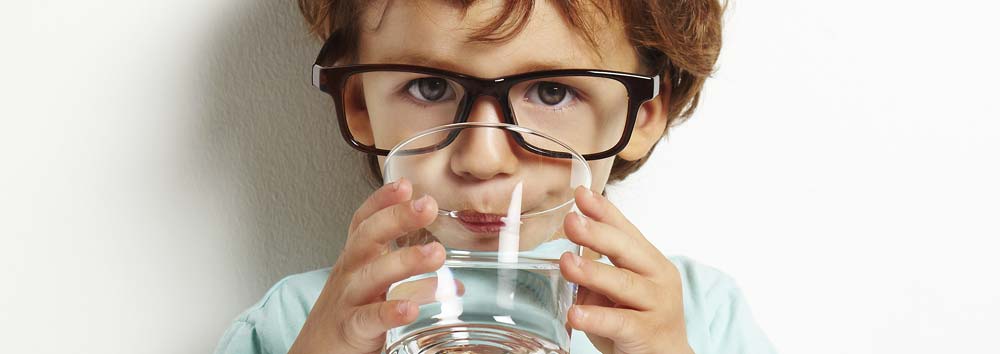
(591, 111)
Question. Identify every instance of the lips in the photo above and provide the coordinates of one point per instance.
(479, 222)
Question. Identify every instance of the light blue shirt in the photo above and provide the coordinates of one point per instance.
(716, 314)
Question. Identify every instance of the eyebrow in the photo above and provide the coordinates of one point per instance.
(423, 60)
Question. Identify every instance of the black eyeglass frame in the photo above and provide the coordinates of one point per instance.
(640, 89)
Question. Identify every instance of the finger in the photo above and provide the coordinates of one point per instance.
(374, 278)
(619, 325)
(371, 321)
(633, 253)
(620, 285)
(600, 208)
(585, 296)
(374, 233)
(392, 193)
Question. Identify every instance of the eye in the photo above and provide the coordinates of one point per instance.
(550, 94)
(430, 89)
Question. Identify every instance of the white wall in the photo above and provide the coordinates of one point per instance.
(165, 162)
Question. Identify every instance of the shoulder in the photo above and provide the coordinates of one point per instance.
(700, 282)
(292, 294)
(271, 324)
(717, 314)
(707, 290)
(701, 278)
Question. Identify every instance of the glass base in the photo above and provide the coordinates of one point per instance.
(469, 338)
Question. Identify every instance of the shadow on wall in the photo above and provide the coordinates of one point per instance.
(274, 138)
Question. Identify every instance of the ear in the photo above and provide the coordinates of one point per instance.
(650, 123)
(358, 120)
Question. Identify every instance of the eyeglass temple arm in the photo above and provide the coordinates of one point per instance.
(322, 55)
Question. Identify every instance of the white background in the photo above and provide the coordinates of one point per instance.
(164, 162)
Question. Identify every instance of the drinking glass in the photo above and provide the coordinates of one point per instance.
(500, 217)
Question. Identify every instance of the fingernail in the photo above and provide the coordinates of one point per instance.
(577, 260)
(420, 204)
(394, 186)
(579, 314)
(427, 249)
(402, 307)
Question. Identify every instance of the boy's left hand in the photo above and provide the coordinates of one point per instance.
(636, 307)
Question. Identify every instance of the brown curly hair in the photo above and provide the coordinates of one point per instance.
(678, 38)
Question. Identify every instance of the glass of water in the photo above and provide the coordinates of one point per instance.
(501, 210)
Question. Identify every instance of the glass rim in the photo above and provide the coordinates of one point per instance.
(587, 175)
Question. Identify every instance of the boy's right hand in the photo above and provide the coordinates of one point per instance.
(351, 315)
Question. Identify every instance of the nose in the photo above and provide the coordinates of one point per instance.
(484, 153)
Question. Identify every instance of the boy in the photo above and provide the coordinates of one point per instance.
(645, 303)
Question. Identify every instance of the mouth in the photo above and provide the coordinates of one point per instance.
(480, 223)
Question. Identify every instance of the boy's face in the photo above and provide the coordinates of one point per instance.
(437, 34)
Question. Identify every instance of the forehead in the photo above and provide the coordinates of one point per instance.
(439, 34)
